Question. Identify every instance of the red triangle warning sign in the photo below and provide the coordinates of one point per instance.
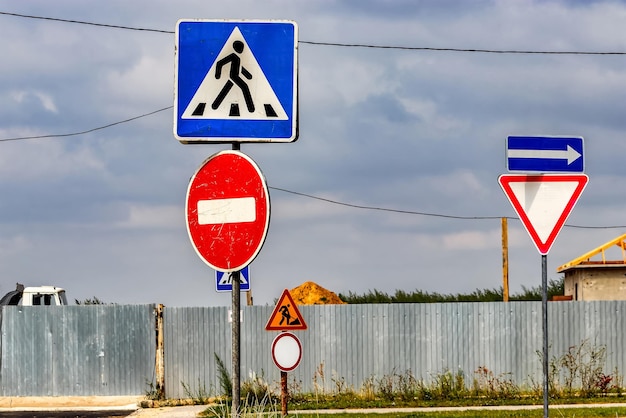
(543, 202)
(286, 316)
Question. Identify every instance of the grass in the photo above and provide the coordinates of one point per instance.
(535, 413)
(452, 393)
(460, 408)
(585, 412)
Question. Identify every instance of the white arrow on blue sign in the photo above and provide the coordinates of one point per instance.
(545, 154)
(236, 81)
(224, 281)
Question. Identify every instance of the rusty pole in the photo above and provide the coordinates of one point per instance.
(284, 392)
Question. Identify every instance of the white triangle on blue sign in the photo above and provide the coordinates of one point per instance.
(235, 87)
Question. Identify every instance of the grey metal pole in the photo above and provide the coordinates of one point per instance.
(236, 328)
(544, 317)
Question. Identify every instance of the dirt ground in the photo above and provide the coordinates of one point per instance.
(119, 406)
(69, 401)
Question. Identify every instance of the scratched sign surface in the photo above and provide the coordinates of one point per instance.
(228, 211)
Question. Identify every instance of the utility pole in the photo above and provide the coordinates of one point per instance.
(505, 260)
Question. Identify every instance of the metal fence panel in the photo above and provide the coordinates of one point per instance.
(353, 345)
(76, 350)
(110, 349)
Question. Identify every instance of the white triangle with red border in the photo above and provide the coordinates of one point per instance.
(543, 202)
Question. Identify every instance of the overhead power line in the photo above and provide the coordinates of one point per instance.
(408, 212)
(87, 131)
(338, 44)
(323, 199)
(466, 50)
(430, 214)
(82, 22)
(485, 51)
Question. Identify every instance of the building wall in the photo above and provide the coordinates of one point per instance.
(602, 283)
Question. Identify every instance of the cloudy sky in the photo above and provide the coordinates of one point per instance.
(418, 132)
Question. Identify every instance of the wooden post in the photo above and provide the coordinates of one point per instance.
(505, 260)
(160, 353)
(284, 393)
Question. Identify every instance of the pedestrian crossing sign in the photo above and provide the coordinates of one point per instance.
(236, 81)
(224, 281)
(286, 316)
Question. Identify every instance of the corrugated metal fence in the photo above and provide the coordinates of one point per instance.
(110, 349)
(347, 344)
(76, 350)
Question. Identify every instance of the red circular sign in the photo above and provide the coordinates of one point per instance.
(228, 211)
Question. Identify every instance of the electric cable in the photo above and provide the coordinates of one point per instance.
(338, 44)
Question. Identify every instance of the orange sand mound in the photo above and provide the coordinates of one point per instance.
(310, 293)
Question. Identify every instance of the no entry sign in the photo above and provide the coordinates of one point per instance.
(228, 211)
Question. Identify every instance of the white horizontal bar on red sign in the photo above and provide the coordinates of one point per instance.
(226, 211)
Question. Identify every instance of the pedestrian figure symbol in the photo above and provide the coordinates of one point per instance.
(233, 74)
(235, 87)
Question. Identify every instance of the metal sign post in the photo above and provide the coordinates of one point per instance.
(236, 328)
(236, 358)
(286, 353)
(227, 201)
(286, 347)
(284, 394)
(543, 202)
(544, 322)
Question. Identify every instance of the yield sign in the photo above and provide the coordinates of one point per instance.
(543, 202)
(228, 211)
(286, 316)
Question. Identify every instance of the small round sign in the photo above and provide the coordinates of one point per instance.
(286, 351)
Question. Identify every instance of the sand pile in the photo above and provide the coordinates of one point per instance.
(310, 293)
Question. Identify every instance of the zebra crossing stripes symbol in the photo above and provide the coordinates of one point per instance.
(235, 87)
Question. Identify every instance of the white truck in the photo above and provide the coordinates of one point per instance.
(35, 296)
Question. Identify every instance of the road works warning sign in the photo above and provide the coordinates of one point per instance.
(286, 316)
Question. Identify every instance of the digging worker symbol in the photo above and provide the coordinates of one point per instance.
(234, 75)
(286, 316)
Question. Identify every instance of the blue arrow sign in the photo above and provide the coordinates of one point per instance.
(236, 81)
(545, 154)
(224, 281)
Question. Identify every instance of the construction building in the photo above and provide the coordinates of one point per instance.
(587, 279)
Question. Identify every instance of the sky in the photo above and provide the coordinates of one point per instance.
(391, 185)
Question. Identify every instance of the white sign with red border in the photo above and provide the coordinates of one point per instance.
(286, 351)
(543, 202)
